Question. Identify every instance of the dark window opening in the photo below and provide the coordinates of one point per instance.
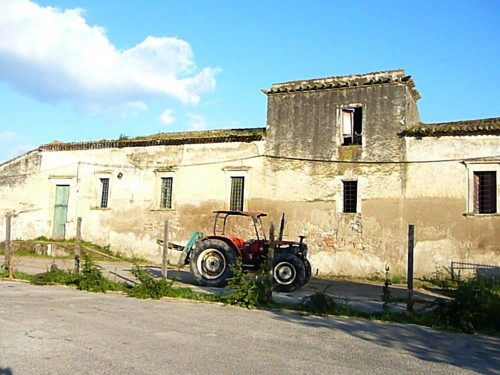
(104, 192)
(350, 196)
(166, 192)
(485, 192)
(237, 190)
(352, 126)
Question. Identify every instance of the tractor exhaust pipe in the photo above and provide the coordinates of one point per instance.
(282, 227)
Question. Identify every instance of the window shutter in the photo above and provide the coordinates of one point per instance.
(347, 121)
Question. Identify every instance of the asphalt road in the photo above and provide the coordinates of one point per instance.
(60, 330)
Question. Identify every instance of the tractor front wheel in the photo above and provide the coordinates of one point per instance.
(211, 262)
(288, 272)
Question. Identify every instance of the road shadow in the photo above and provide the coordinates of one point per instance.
(6, 371)
(178, 274)
(474, 352)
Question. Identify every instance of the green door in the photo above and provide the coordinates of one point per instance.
(60, 212)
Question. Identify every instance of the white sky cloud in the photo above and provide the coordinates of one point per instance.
(196, 122)
(53, 55)
(167, 117)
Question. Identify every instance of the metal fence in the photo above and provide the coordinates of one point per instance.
(479, 270)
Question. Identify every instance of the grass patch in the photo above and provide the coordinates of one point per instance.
(18, 275)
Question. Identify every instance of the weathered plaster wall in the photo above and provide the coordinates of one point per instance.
(133, 220)
(308, 125)
(436, 201)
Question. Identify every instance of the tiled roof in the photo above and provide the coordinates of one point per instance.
(355, 80)
(469, 127)
(164, 139)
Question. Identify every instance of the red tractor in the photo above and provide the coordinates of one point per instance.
(211, 257)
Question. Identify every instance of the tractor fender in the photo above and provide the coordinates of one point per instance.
(235, 242)
(291, 247)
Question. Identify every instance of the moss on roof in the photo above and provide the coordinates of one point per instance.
(469, 127)
(164, 139)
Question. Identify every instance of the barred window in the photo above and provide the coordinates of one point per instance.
(104, 192)
(237, 191)
(485, 194)
(166, 192)
(350, 190)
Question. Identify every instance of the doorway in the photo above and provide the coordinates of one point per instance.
(60, 212)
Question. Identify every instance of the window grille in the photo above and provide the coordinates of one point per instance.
(166, 192)
(350, 196)
(237, 190)
(485, 194)
(104, 192)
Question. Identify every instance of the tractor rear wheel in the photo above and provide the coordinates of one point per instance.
(211, 262)
(288, 272)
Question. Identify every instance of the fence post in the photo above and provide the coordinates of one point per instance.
(78, 241)
(411, 241)
(8, 247)
(269, 263)
(164, 268)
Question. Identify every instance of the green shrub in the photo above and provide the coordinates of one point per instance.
(320, 303)
(443, 279)
(398, 279)
(474, 305)
(247, 289)
(55, 276)
(91, 278)
(149, 287)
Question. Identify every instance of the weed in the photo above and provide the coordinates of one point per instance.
(55, 276)
(474, 306)
(442, 279)
(397, 279)
(4, 273)
(42, 238)
(320, 303)
(247, 290)
(149, 287)
(91, 278)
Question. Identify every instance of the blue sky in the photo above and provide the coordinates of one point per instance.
(80, 70)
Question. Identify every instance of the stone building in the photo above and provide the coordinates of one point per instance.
(347, 159)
